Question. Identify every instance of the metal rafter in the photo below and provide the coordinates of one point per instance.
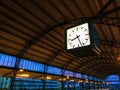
(69, 62)
(114, 10)
(38, 37)
(108, 69)
(58, 52)
(98, 65)
(104, 8)
(101, 60)
(90, 61)
(113, 40)
(102, 73)
(116, 15)
(100, 68)
(105, 49)
(103, 43)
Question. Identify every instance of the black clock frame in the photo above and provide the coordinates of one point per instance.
(92, 49)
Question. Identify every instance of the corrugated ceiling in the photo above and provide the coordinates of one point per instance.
(35, 30)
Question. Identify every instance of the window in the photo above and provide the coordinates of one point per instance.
(68, 73)
(54, 70)
(7, 60)
(31, 65)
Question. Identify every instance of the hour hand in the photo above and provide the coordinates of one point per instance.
(72, 39)
(77, 36)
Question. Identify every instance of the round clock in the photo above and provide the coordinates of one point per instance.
(78, 36)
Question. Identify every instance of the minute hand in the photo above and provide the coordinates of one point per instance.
(79, 40)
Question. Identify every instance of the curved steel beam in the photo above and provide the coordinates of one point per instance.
(103, 71)
(114, 10)
(113, 21)
(102, 42)
(98, 61)
(31, 42)
(69, 62)
(90, 61)
(96, 69)
(100, 74)
(58, 52)
(104, 7)
(99, 70)
(98, 66)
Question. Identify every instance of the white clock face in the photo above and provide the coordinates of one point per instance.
(78, 36)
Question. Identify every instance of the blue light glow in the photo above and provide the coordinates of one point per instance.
(31, 65)
(54, 70)
(68, 73)
(7, 60)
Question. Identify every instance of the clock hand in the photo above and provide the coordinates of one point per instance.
(75, 38)
(79, 39)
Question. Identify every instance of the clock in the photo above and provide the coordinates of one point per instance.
(78, 36)
(82, 40)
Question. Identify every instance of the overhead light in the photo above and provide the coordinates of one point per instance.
(22, 75)
(48, 78)
(81, 81)
(72, 80)
(60, 79)
(67, 77)
(86, 80)
(21, 70)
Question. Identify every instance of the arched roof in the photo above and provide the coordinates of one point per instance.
(35, 30)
